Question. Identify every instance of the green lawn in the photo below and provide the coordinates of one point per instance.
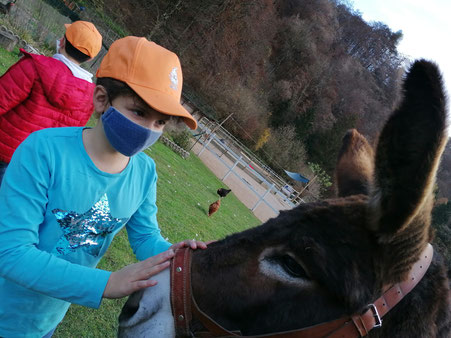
(7, 59)
(185, 190)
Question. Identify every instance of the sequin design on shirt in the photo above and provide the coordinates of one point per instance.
(86, 230)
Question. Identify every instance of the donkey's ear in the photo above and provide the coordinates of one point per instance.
(354, 170)
(409, 150)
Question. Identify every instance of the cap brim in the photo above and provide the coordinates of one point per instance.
(164, 103)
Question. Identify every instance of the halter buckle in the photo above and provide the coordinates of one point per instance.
(376, 316)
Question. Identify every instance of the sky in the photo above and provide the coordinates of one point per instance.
(425, 25)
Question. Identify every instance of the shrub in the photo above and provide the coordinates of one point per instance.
(180, 137)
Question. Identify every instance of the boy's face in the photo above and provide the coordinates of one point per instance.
(140, 112)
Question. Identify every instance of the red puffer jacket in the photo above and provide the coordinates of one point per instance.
(40, 92)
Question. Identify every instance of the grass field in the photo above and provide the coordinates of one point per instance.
(7, 58)
(185, 189)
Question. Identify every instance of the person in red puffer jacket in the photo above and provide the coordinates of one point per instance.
(40, 92)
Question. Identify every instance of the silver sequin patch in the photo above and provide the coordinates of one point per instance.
(86, 230)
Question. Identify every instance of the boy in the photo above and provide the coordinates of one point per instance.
(68, 191)
(40, 92)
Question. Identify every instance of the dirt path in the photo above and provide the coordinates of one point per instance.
(241, 189)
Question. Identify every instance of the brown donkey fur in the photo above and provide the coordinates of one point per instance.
(324, 260)
(355, 165)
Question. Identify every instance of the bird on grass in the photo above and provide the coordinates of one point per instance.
(223, 192)
(214, 207)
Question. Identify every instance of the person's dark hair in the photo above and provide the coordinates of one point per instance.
(75, 53)
(115, 88)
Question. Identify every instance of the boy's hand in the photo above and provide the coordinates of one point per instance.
(189, 243)
(136, 276)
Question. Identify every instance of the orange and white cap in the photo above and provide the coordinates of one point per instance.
(84, 36)
(153, 72)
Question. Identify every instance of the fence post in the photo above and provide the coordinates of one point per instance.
(231, 169)
(262, 197)
(210, 138)
(299, 194)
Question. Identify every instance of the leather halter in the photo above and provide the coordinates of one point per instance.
(184, 306)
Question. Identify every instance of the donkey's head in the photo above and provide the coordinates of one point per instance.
(321, 261)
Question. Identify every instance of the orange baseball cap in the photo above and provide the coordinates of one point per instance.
(153, 72)
(84, 36)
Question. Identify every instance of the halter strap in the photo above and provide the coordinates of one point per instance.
(181, 291)
(358, 325)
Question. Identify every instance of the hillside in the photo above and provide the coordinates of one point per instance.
(296, 74)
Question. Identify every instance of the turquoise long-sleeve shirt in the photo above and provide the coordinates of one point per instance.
(58, 215)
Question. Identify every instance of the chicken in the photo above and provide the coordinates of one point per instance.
(214, 207)
(223, 192)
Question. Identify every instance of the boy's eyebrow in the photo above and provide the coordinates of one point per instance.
(147, 108)
(141, 105)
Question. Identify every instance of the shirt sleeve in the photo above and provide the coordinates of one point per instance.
(142, 228)
(23, 201)
(16, 84)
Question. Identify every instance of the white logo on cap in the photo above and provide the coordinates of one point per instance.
(174, 78)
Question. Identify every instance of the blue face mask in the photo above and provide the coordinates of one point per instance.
(126, 136)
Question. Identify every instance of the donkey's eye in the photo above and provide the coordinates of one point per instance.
(291, 266)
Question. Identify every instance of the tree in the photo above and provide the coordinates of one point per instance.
(322, 178)
(306, 70)
(264, 137)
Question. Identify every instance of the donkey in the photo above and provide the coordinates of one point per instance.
(332, 259)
